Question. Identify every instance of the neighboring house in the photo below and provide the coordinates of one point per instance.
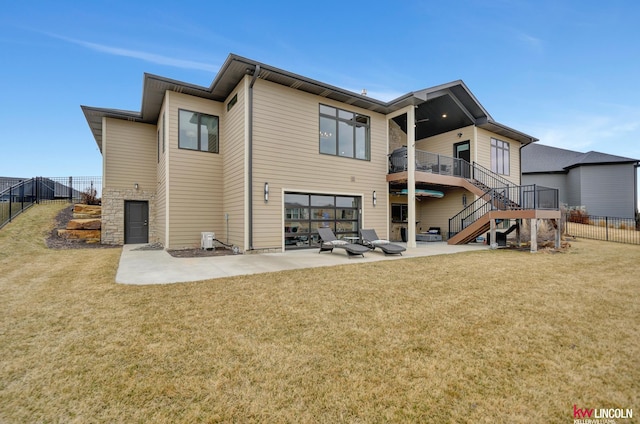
(264, 157)
(605, 185)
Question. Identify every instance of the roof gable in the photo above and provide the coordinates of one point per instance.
(538, 158)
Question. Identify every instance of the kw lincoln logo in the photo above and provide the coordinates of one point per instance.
(600, 415)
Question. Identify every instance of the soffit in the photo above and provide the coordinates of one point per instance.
(454, 100)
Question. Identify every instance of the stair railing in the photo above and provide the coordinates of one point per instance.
(488, 177)
(505, 198)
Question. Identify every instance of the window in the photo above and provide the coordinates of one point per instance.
(198, 131)
(499, 156)
(344, 133)
(399, 212)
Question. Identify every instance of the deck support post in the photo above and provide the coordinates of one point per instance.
(518, 234)
(492, 234)
(556, 225)
(411, 177)
(534, 235)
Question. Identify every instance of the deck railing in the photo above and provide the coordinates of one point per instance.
(446, 165)
(525, 197)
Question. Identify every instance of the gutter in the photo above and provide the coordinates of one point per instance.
(256, 73)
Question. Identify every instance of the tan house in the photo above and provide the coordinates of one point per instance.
(264, 157)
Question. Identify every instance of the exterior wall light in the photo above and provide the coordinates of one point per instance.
(266, 192)
(375, 198)
(464, 200)
(136, 186)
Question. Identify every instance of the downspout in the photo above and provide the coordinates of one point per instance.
(636, 168)
(256, 73)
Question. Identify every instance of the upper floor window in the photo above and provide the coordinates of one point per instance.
(198, 131)
(499, 156)
(344, 133)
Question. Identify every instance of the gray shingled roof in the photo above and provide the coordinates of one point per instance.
(541, 158)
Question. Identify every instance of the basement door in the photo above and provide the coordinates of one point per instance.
(136, 222)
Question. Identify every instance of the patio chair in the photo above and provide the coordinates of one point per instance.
(371, 240)
(329, 241)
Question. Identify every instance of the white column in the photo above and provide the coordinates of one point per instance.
(492, 234)
(411, 177)
(534, 235)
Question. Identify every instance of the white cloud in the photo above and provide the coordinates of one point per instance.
(532, 42)
(614, 134)
(145, 56)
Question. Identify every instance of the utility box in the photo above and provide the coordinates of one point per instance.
(207, 239)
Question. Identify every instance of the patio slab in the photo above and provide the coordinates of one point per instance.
(142, 267)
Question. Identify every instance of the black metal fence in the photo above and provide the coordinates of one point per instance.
(19, 195)
(620, 230)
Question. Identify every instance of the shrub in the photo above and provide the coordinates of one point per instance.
(578, 216)
(89, 197)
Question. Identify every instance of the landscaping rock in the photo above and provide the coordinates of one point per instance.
(84, 224)
(87, 211)
(86, 235)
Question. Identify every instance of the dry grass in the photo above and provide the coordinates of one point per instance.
(490, 336)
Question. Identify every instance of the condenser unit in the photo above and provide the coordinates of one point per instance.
(206, 241)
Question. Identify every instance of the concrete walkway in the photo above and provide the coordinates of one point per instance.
(141, 267)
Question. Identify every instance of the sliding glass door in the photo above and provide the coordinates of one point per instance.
(304, 213)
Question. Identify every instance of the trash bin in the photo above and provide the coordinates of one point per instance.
(501, 239)
(403, 234)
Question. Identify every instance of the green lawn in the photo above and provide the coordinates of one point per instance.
(487, 336)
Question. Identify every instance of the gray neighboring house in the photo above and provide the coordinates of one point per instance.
(606, 185)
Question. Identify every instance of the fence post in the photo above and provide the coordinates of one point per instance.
(10, 200)
(606, 226)
(70, 189)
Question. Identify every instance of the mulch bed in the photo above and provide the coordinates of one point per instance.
(200, 253)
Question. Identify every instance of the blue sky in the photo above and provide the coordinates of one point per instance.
(566, 72)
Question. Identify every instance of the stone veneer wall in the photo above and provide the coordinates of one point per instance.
(397, 137)
(113, 213)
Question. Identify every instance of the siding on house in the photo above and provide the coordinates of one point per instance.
(437, 212)
(442, 144)
(286, 155)
(132, 155)
(195, 179)
(574, 189)
(558, 181)
(161, 204)
(232, 149)
(484, 153)
(605, 189)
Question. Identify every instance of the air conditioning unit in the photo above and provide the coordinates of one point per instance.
(206, 242)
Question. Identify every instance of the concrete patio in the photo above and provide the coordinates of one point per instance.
(143, 267)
